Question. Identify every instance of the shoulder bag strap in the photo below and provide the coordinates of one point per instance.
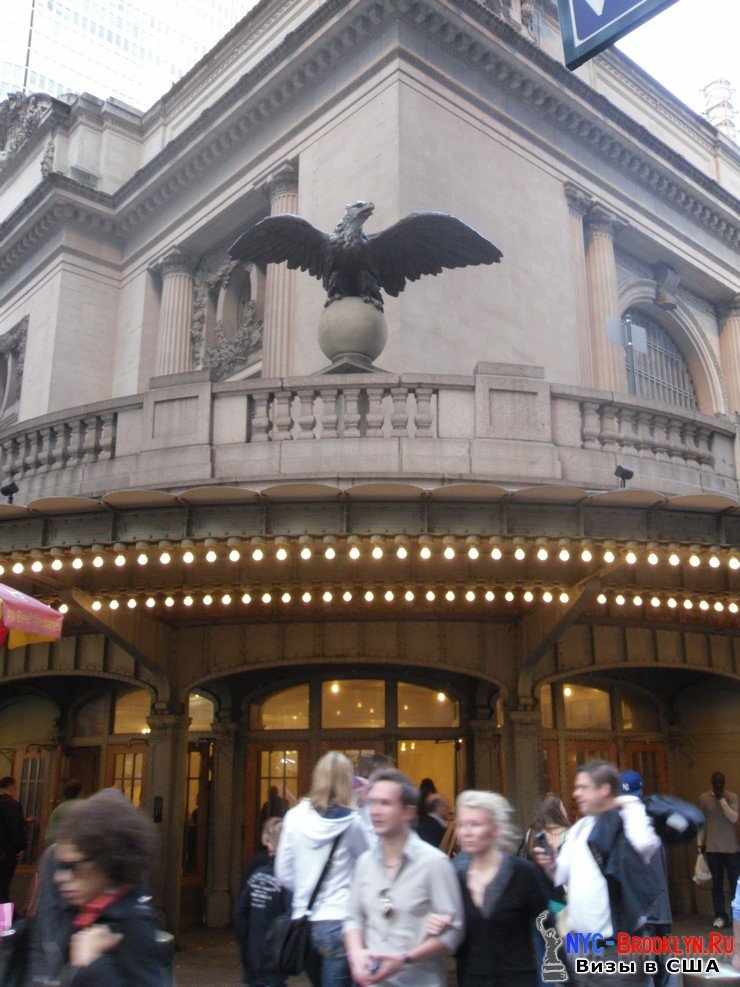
(324, 872)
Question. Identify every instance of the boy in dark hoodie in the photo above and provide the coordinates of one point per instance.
(260, 902)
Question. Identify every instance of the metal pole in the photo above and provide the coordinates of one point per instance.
(28, 48)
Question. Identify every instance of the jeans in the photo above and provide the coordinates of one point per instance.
(329, 966)
(7, 869)
(718, 864)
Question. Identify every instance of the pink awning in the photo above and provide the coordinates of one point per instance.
(24, 620)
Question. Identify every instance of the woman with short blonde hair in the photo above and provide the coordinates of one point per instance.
(322, 824)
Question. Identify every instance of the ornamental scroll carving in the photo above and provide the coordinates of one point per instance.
(12, 359)
(20, 116)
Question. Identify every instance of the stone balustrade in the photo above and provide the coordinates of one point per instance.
(503, 424)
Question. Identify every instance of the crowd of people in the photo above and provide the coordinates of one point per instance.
(386, 882)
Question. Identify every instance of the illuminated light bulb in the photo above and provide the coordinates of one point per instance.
(694, 560)
(369, 596)
(257, 554)
(470, 596)
(151, 602)
(187, 601)
(306, 598)
(473, 553)
(653, 558)
(496, 554)
(609, 556)
(402, 552)
(587, 555)
(37, 566)
(450, 595)
(703, 605)
(734, 562)
(732, 607)
(672, 602)
(354, 553)
(719, 606)
(490, 596)
(98, 561)
(234, 555)
(674, 559)
(547, 596)
(519, 554)
(389, 596)
(630, 558)
(655, 602)
(509, 596)
(409, 596)
(188, 557)
(142, 558)
(17, 568)
(63, 608)
(330, 553)
(449, 552)
(714, 561)
(306, 553)
(286, 597)
(246, 599)
(441, 697)
(96, 605)
(266, 598)
(207, 600)
(281, 554)
(211, 556)
(619, 600)
(528, 596)
(119, 560)
(2, 570)
(425, 552)
(688, 605)
(77, 563)
(226, 599)
(113, 604)
(56, 565)
(564, 555)
(377, 552)
(542, 554)
(601, 598)
(564, 597)
(637, 600)
(567, 692)
(327, 596)
(169, 601)
(165, 558)
(347, 596)
(334, 687)
(430, 596)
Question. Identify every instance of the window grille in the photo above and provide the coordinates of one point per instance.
(656, 368)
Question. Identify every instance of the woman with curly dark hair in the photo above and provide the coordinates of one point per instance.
(104, 929)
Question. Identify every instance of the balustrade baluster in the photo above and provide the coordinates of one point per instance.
(400, 410)
(590, 424)
(31, 452)
(306, 416)
(260, 423)
(609, 431)
(329, 417)
(375, 413)
(283, 421)
(74, 444)
(90, 439)
(351, 428)
(44, 449)
(661, 441)
(423, 419)
(107, 435)
(704, 441)
(629, 439)
(676, 448)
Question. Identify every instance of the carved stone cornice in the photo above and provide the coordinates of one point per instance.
(579, 201)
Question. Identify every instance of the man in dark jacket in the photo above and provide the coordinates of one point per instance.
(260, 902)
(12, 834)
(432, 825)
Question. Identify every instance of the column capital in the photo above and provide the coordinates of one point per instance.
(281, 181)
(578, 201)
(601, 221)
(175, 261)
(161, 723)
(729, 309)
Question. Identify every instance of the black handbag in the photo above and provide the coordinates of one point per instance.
(289, 940)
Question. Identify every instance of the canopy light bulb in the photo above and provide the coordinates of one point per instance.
(564, 597)
(306, 553)
(57, 565)
(734, 562)
(694, 560)
(113, 604)
(672, 602)
(306, 598)
(131, 603)
(402, 552)
(98, 561)
(142, 558)
(528, 596)
(601, 598)
(246, 599)
(732, 607)
(719, 606)
(234, 555)
(430, 595)
(354, 553)
(703, 605)
(282, 554)
(496, 554)
(688, 604)
(389, 596)
(714, 562)
(17, 568)
(120, 560)
(409, 596)
(369, 596)
(77, 563)
(347, 596)
(257, 555)
(207, 600)
(286, 597)
(564, 555)
(266, 598)
(37, 566)
(609, 556)
(151, 602)
(490, 596)
(630, 558)
(653, 558)
(187, 601)
(327, 596)
(425, 552)
(587, 555)
(449, 553)
(473, 553)
(211, 556)
(509, 596)
(637, 600)
(547, 596)
(377, 552)
(519, 554)
(169, 601)
(188, 557)
(542, 554)
(674, 559)
(226, 599)
(96, 605)
(63, 608)
(441, 697)
(450, 595)
(165, 558)
(619, 600)
(655, 602)
(470, 596)
(330, 553)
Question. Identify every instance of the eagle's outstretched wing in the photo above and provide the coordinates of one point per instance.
(425, 243)
(283, 238)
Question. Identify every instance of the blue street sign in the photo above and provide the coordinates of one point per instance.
(589, 26)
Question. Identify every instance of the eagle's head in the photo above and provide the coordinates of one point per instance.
(355, 216)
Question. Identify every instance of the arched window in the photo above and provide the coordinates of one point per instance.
(656, 367)
(132, 711)
(200, 711)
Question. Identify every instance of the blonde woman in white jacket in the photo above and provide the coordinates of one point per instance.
(309, 830)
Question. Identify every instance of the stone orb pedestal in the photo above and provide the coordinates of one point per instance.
(352, 334)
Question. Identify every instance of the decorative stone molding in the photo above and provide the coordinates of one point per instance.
(175, 261)
(579, 202)
(229, 354)
(729, 309)
(601, 221)
(667, 281)
(283, 181)
(20, 117)
(12, 359)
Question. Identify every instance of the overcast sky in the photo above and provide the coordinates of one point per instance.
(689, 45)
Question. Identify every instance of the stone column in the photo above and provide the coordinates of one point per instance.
(609, 371)
(218, 899)
(175, 314)
(579, 203)
(486, 756)
(729, 348)
(525, 724)
(165, 803)
(277, 342)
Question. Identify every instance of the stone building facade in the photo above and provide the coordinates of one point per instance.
(259, 560)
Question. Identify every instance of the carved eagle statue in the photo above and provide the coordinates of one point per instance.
(352, 264)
